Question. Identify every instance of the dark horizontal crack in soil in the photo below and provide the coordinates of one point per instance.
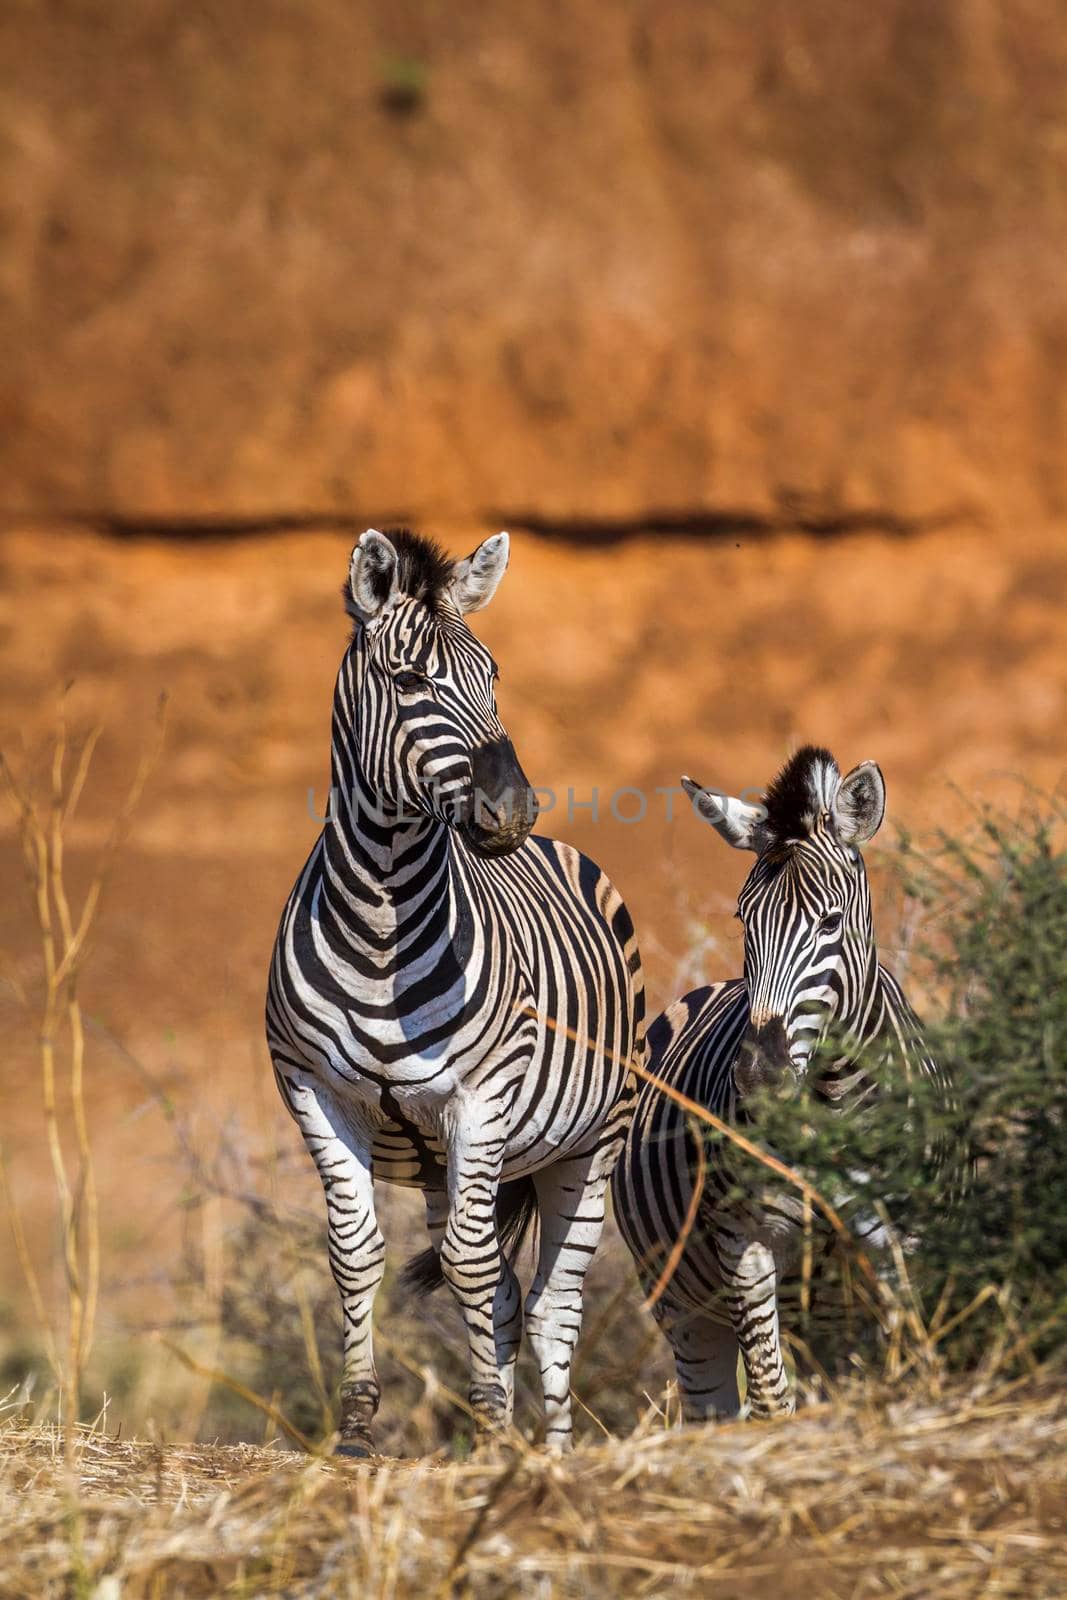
(697, 524)
(730, 524)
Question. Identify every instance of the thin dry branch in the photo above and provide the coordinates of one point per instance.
(62, 940)
(235, 1386)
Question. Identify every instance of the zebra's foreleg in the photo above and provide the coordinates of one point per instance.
(357, 1253)
(705, 1359)
(507, 1305)
(750, 1281)
(471, 1259)
(571, 1201)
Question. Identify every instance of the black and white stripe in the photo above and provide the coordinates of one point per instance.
(435, 965)
(810, 962)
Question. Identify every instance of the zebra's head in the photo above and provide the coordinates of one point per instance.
(805, 906)
(419, 690)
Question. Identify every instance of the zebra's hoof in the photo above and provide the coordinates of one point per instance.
(354, 1449)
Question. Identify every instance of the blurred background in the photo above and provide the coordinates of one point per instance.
(748, 320)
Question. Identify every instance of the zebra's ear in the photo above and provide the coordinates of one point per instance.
(474, 580)
(859, 804)
(738, 823)
(372, 576)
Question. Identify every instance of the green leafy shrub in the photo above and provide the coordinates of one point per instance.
(1003, 1040)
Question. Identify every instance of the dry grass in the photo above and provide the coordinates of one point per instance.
(965, 1496)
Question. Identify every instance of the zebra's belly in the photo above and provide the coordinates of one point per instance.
(697, 1284)
(405, 1153)
(697, 1277)
(402, 1106)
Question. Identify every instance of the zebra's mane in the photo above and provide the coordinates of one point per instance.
(423, 570)
(799, 795)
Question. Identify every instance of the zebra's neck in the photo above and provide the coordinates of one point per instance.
(873, 1016)
(378, 878)
(383, 876)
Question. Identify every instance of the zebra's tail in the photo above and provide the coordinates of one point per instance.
(516, 1209)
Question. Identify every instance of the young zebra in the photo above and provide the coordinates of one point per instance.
(810, 960)
(434, 966)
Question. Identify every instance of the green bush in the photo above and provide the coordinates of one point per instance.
(1003, 1040)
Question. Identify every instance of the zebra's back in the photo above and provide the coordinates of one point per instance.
(692, 1045)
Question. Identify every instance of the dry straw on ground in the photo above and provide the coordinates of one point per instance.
(965, 1496)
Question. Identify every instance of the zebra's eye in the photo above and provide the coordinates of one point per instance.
(830, 922)
(409, 681)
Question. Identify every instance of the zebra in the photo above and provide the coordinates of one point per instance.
(454, 1003)
(809, 961)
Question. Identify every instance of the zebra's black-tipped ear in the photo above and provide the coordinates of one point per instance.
(474, 580)
(859, 804)
(372, 576)
(733, 820)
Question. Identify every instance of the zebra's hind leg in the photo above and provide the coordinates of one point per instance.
(750, 1282)
(570, 1197)
(356, 1248)
(705, 1359)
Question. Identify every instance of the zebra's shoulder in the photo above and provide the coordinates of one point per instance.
(589, 891)
(696, 1016)
(906, 1024)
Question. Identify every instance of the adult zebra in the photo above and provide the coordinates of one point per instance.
(453, 1003)
(810, 961)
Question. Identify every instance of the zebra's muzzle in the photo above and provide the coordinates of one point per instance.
(503, 807)
(763, 1060)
